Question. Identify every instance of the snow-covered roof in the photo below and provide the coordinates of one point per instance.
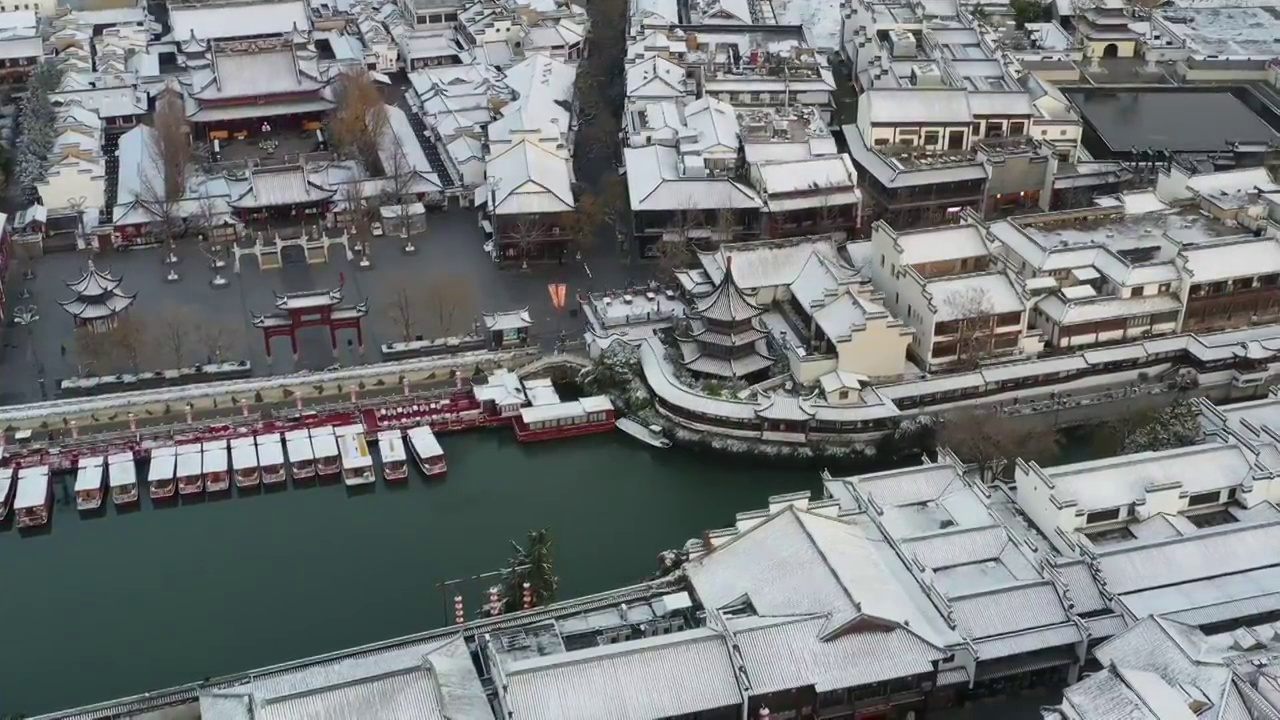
(655, 77)
(771, 263)
(821, 174)
(400, 141)
(280, 186)
(1232, 189)
(655, 10)
(12, 48)
(543, 88)
(108, 102)
(509, 320)
(654, 182)
(945, 243)
(1232, 258)
(254, 75)
(233, 20)
(527, 177)
(998, 293)
(714, 123)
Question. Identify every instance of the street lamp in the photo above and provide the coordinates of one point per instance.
(26, 316)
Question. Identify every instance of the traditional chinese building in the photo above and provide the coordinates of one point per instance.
(98, 302)
(312, 308)
(725, 335)
(237, 87)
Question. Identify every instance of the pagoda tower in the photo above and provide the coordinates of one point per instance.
(725, 335)
(98, 302)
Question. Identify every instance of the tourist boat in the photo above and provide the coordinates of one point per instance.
(89, 482)
(123, 478)
(190, 479)
(271, 458)
(567, 419)
(324, 444)
(648, 434)
(302, 458)
(344, 430)
(6, 490)
(357, 462)
(34, 496)
(244, 462)
(395, 465)
(162, 472)
(217, 475)
(427, 451)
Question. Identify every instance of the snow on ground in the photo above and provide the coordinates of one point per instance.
(820, 18)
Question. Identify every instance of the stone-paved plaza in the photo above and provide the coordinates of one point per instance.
(449, 252)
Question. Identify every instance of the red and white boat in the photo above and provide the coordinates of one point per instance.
(244, 462)
(302, 459)
(589, 415)
(190, 470)
(34, 496)
(217, 470)
(427, 451)
(122, 475)
(271, 458)
(90, 477)
(395, 465)
(162, 472)
(6, 491)
(357, 461)
(324, 444)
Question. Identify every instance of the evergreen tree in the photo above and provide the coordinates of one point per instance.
(1176, 426)
(532, 564)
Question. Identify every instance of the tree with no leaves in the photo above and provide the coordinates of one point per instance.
(175, 330)
(527, 233)
(217, 340)
(406, 309)
(970, 310)
(584, 222)
(450, 303)
(358, 118)
(164, 185)
(988, 439)
(116, 349)
(398, 183)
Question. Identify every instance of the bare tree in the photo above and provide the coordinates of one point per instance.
(175, 329)
(95, 349)
(406, 309)
(358, 118)
(988, 439)
(399, 182)
(584, 222)
(358, 214)
(129, 339)
(450, 302)
(528, 232)
(217, 339)
(726, 224)
(164, 184)
(971, 323)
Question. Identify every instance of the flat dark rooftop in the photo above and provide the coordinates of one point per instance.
(1179, 121)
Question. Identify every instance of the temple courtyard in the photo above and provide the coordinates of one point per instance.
(442, 288)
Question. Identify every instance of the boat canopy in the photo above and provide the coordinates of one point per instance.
(215, 459)
(33, 487)
(244, 457)
(189, 464)
(123, 471)
(298, 443)
(424, 442)
(162, 466)
(324, 446)
(272, 452)
(391, 446)
(6, 482)
(345, 430)
(89, 476)
(355, 452)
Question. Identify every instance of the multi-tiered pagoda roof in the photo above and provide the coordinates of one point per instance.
(726, 335)
(98, 297)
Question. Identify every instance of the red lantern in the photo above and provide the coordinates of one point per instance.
(528, 596)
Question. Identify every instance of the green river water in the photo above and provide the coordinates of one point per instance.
(115, 605)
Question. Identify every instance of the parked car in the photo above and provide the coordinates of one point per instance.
(376, 229)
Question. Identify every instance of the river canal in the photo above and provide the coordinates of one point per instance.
(104, 607)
